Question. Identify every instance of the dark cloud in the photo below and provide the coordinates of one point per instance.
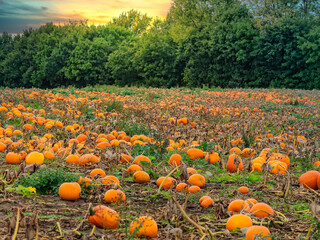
(14, 8)
(17, 15)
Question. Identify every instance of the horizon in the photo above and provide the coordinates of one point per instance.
(17, 15)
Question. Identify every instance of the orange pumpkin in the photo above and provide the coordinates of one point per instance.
(35, 157)
(195, 153)
(13, 158)
(309, 179)
(141, 177)
(144, 227)
(104, 217)
(197, 179)
(69, 191)
(238, 221)
(175, 160)
(113, 195)
(234, 163)
(168, 183)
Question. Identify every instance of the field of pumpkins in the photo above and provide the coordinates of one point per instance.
(135, 163)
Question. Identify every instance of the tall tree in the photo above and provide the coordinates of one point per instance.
(133, 20)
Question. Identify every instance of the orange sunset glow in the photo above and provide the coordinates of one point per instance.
(18, 15)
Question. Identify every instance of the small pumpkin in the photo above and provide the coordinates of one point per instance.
(134, 168)
(175, 160)
(141, 177)
(97, 172)
(194, 189)
(110, 180)
(13, 158)
(168, 183)
(69, 191)
(144, 227)
(261, 210)
(238, 221)
(255, 232)
(141, 160)
(195, 153)
(234, 163)
(113, 195)
(197, 179)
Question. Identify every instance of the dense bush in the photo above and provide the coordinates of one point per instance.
(225, 43)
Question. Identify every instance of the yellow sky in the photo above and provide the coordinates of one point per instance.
(102, 11)
(16, 15)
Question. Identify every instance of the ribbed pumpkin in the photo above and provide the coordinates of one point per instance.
(104, 217)
(195, 153)
(141, 177)
(144, 227)
(234, 163)
(113, 195)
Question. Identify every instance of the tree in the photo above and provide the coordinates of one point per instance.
(309, 44)
(279, 62)
(133, 20)
(220, 54)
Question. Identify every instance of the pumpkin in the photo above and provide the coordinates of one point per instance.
(35, 157)
(261, 210)
(104, 217)
(141, 159)
(197, 179)
(168, 183)
(96, 172)
(113, 195)
(13, 158)
(175, 160)
(195, 153)
(212, 158)
(134, 168)
(235, 206)
(206, 201)
(110, 180)
(234, 163)
(141, 177)
(309, 179)
(182, 186)
(243, 190)
(69, 191)
(194, 189)
(255, 232)
(238, 221)
(144, 227)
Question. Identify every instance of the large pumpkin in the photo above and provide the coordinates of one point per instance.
(104, 217)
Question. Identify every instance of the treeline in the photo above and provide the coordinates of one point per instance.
(225, 43)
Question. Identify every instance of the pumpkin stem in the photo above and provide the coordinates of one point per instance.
(91, 211)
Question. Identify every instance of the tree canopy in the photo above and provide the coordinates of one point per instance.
(225, 43)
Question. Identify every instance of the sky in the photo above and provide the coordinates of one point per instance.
(17, 15)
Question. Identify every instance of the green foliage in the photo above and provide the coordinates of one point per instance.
(134, 128)
(133, 20)
(47, 181)
(202, 43)
(114, 105)
(242, 179)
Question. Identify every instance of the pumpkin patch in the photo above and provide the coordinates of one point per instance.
(185, 162)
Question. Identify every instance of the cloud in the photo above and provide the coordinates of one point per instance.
(16, 15)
